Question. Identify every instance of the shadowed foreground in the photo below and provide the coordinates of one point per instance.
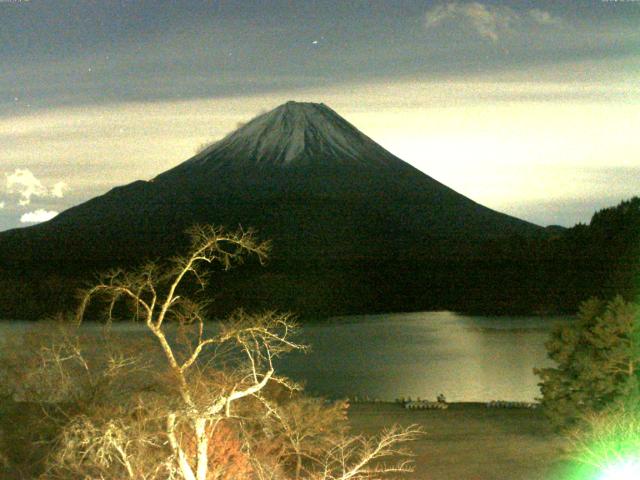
(471, 442)
(466, 442)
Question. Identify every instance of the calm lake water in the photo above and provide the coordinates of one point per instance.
(468, 358)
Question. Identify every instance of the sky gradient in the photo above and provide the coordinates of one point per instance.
(528, 107)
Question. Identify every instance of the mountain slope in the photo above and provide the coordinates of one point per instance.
(301, 174)
(326, 194)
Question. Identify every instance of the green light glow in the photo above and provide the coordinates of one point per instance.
(625, 470)
(607, 447)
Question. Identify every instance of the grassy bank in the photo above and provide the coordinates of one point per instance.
(471, 442)
(465, 442)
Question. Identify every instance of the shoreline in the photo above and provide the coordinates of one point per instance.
(456, 404)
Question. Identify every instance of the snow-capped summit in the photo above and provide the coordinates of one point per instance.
(295, 133)
(354, 228)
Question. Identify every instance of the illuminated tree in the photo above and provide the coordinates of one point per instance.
(597, 360)
(196, 402)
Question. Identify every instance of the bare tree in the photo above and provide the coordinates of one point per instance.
(155, 299)
(203, 395)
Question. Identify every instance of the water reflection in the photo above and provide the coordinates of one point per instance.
(412, 354)
(423, 354)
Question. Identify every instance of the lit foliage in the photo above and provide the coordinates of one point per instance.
(597, 361)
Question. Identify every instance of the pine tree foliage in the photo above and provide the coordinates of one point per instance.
(597, 361)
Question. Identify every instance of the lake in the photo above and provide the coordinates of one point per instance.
(467, 358)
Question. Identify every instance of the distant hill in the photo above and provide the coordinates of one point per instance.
(354, 228)
(602, 258)
(555, 229)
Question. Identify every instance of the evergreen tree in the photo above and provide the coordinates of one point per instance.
(597, 360)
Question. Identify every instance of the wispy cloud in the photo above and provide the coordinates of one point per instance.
(24, 183)
(544, 18)
(38, 216)
(488, 21)
(59, 189)
(1, 204)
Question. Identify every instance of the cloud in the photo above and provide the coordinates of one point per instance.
(58, 190)
(24, 183)
(488, 21)
(1, 204)
(543, 17)
(38, 216)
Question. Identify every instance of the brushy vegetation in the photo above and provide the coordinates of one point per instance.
(184, 399)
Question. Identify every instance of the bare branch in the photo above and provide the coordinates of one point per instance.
(359, 458)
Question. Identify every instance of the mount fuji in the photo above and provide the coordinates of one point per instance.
(339, 208)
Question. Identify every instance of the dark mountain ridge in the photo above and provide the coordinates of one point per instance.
(299, 174)
(329, 197)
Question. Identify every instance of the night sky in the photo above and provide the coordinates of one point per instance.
(528, 107)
